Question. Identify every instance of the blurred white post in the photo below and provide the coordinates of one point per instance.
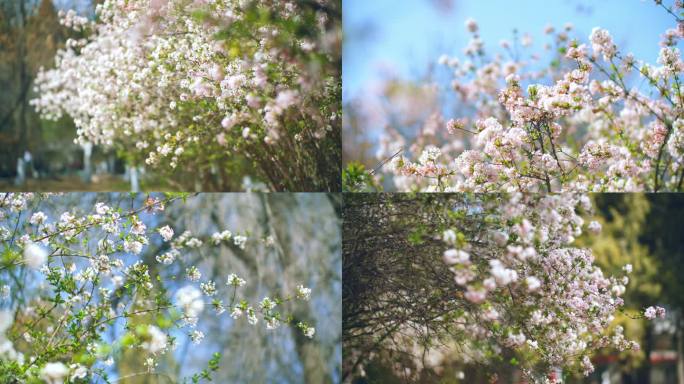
(21, 172)
(29, 169)
(111, 163)
(87, 166)
(135, 185)
(680, 352)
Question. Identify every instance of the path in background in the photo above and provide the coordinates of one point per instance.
(74, 183)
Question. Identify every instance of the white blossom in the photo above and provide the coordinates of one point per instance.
(35, 255)
(166, 232)
(54, 373)
(189, 299)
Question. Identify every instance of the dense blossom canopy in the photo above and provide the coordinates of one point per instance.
(517, 286)
(199, 83)
(595, 119)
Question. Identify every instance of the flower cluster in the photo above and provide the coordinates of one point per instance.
(72, 275)
(580, 124)
(204, 84)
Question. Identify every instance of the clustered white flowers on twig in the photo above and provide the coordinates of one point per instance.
(72, 277)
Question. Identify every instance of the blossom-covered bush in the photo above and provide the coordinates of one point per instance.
(77, 295)
(531, 290)
(207, 92)
(583, 115)
(479, 279)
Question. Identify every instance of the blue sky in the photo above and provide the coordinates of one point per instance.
(404, 36)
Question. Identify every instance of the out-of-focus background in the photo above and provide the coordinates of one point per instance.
(307, 251)
(390, 76)
(643, 230)
(36, 154)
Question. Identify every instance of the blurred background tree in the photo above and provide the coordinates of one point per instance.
(306, 230)
(663, 237)
(623, 218)
(30, 35)
(643, 230)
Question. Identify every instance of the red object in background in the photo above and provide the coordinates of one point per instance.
(662, 357)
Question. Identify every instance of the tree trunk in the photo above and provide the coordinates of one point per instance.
(680, 349)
